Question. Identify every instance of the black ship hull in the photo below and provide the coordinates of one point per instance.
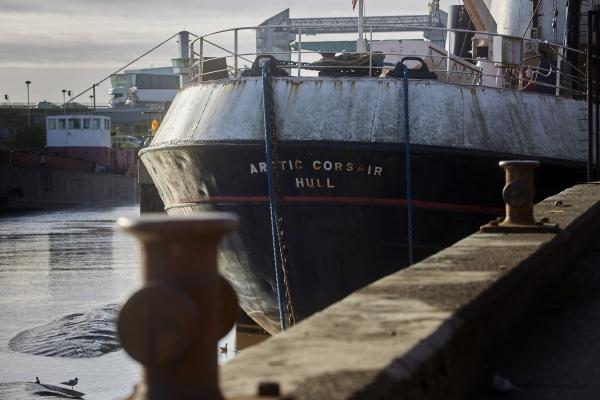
(344, 209)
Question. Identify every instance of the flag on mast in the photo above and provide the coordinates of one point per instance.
(354, 4)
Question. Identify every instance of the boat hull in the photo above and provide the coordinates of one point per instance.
(344, 209)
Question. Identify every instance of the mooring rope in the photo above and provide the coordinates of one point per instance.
(268, 125)
(407, 152)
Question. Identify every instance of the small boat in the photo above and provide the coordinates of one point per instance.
(45, 389)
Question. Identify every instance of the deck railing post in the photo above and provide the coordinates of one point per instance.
(559, 58)
(448, 69)
(235, 53)
(370, 51)
(521, 65)
(201, 59)
(173, 323)
(299, 51)
(192, 61)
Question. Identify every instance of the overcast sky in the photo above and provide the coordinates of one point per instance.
(70, 44)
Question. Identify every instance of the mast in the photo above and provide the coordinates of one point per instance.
(480, 14)
(361, 46)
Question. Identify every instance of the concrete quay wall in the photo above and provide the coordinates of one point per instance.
(35, 187)
(429, 331)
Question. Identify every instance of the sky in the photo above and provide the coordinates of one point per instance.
(71, 44)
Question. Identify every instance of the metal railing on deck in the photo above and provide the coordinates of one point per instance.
(515, 63)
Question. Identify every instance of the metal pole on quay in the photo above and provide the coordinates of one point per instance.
(28, 108)
(94, 96)
(64, 91)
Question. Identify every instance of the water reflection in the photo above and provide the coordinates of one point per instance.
(61, 269)
(23, 252)
(81, 248)
(67, 269)
(80, 335)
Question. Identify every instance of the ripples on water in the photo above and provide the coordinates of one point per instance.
(79, 335)
(61, 275)
(58, 272)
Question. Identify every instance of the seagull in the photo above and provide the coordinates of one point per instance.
(71, 382)
(223, 349)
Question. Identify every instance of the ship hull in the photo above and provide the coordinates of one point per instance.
(344, 209)
(343, 176)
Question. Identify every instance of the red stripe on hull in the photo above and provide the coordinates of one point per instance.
(364, 201)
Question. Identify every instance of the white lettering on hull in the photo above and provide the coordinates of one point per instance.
(312, 183)
(319, 167)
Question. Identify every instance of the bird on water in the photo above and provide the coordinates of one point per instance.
(71, 382)
(223, 349)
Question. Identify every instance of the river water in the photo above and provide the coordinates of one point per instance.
(62, 274)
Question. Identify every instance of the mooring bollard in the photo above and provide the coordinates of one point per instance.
(519, 192)
(173, 323)
(519, 195)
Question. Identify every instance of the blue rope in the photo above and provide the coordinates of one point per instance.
(267, 114)
(409, 208)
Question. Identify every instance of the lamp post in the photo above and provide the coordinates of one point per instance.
(28, 108)
(64, 91)
(94, 94)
